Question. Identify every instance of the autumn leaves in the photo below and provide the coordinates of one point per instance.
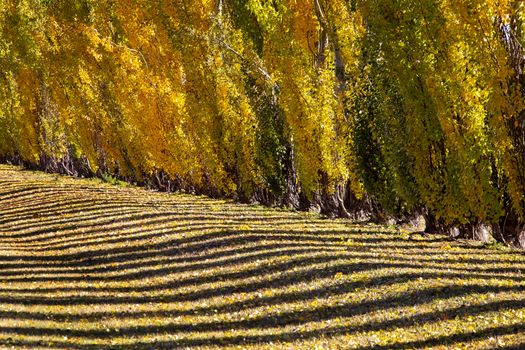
(416, 105)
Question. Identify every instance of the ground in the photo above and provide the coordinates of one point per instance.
(89, 265)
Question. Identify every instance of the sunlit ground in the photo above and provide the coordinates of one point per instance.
(87, 265)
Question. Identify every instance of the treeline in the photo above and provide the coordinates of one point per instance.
(382, 109)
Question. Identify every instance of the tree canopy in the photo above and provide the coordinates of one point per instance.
(397, 105)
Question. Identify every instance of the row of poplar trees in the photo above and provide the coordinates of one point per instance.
(358, 107)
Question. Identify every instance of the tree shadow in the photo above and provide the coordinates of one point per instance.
(181, 251)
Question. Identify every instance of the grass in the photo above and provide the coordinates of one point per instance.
(108, 178)
(88, 265)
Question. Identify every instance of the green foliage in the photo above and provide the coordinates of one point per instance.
(417, 104)
(494, 245)
(112, 180)
(246, 21)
